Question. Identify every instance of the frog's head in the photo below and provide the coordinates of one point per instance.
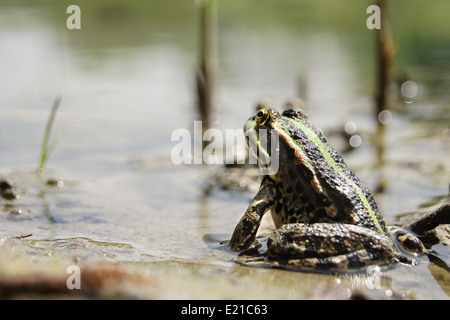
(262, 139)
(269, 136)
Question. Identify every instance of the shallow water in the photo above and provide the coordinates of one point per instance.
(127, 82)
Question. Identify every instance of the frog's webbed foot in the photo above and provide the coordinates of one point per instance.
(331, 246)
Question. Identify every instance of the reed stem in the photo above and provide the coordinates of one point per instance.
(206, 72)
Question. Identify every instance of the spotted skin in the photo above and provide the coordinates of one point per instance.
(245, 232)
(324, 215)
(330, 246)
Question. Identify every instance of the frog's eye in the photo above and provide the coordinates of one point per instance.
(262, 116)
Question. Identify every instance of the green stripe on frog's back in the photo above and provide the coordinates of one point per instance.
(323, 149)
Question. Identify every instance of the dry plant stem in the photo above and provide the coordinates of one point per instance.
(205, 72)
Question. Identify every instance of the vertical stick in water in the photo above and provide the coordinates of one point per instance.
(385, 56)
(205, 72)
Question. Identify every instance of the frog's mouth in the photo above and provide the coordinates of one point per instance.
(260, 149)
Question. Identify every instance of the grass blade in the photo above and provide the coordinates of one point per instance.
(46, 148)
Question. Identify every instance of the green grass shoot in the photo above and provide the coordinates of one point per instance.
(47, 148)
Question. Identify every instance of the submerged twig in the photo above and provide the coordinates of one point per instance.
(24, 236)
(432, 219)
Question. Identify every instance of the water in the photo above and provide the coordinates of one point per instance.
(127, 82)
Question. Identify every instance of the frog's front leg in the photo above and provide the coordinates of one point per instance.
(245, 232)
(330, 245)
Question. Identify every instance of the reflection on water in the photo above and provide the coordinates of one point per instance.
(127, 79)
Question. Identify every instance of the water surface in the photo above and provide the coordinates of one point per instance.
(127, 81)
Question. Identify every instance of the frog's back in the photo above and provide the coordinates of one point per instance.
(337, 195)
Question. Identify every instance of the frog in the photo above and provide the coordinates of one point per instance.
(324, 216)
